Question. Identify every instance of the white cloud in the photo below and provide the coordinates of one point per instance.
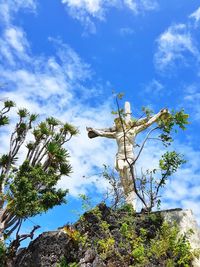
(149, 4)
(10, 7)
(131, 4)
(126, 31)
(192, 101)
(196, 16)
(86, 11)
(14, 45)
(13, 41)
(138, 6)
(54, 86)
(173, 45)
(93, 7)
(154, 87)
(182, 189)
(15, 38)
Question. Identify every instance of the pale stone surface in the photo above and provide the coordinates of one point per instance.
(124, 132)
(186, 222)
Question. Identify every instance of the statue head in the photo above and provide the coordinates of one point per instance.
(120, 123)
(125, 117)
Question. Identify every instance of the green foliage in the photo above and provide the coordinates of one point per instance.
(131, 239)
(63, 263)
(170, 123)
(4, 119)
(2, 254)
(8, 104)
(128, 208)
(106, 247)
(30, 188)
(139, 254)
(169, 241)
(147, 111)
(75, 235)
(147, 184)
(151, 181)
(120, 95)
(170, 162)
(86, 202)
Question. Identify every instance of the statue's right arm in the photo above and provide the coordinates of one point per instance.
(140, 121)
(151, 120)
(107, 132)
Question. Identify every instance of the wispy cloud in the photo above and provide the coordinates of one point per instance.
(192, 100)
(141, 5)
(9, 7)
(183, 189)
(59, 85)
(154, 87)
(196, 16)
(53, 86)
(86, 11)
(174, 45)
(126, 31)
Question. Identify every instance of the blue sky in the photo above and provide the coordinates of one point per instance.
(64, 58)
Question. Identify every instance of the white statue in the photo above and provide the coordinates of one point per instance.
(125, 131)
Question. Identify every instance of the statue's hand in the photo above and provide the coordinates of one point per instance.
(165, 114)
(91, 132)
(164, 110)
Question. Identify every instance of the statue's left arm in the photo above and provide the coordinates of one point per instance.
(152, 120)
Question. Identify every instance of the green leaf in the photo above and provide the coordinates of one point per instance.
(9, 104)
(23, 113)
(120, 95)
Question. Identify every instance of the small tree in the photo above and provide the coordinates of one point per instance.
(29, 188)
(147, 184)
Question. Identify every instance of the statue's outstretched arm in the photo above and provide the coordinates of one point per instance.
(141, 121)
(107, 132)
(152, 119)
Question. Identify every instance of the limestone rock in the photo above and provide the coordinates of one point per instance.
(186, 222)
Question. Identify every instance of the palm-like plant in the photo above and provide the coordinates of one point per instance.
(30, 188)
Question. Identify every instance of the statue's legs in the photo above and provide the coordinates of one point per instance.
(127, 182)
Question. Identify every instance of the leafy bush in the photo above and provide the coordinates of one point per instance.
(63, 263)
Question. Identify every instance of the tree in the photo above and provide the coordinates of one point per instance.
(29, 188)
(147, 184)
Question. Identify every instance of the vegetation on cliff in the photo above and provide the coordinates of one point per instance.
(124, 238)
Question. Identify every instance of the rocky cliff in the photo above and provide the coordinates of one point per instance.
(106, 237)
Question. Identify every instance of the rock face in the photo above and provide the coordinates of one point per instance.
(47, 250)
(186, 222)
(50, 247)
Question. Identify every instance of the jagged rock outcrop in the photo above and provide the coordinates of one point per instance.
(47, 250)
(69, 242)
